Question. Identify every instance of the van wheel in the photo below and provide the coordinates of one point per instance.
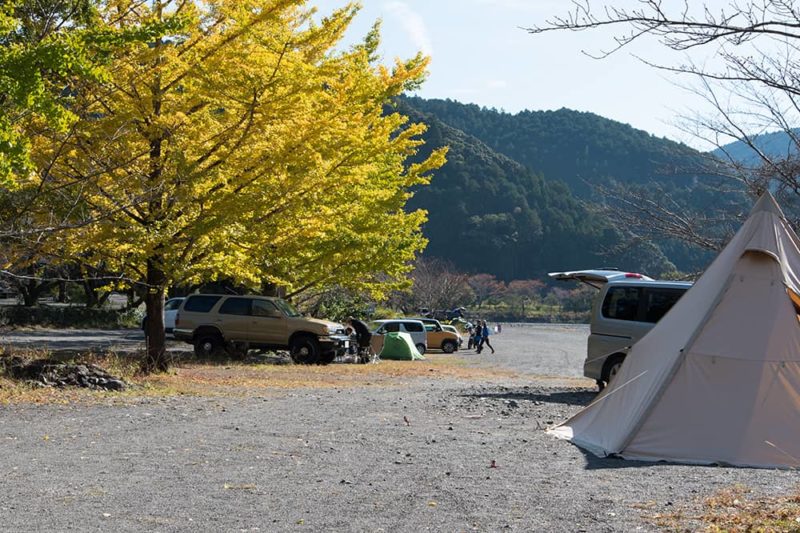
(305, 351)
(449, 346)
(612, 367)
(421, 348)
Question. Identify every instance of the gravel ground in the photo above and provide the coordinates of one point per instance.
(415, 456)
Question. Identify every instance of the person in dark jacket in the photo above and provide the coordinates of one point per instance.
(485, 336)
(363, 334)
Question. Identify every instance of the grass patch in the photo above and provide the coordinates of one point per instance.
(736, 509)
(240, 379)
(15, 391)
(233, 378)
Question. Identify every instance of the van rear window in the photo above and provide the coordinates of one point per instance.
(200, 303)
(414, 326)
(621, 303)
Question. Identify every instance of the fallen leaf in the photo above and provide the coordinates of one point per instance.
(242, 486)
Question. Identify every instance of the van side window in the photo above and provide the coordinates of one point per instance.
(621, 303)
(658, 301)
(200, 303)
(413, 326)
(392, 326)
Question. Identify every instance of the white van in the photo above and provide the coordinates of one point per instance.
(415, 328)
(627, 306)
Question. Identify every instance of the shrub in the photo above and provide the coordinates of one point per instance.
(68, 317)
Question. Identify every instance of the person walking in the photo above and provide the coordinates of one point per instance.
(478, 342)
(485, 336)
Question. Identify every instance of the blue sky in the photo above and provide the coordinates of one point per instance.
(480, 55)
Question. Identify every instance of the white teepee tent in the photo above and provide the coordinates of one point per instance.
(717, 380)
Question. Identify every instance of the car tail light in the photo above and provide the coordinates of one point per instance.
(633, 275)
(177, 319)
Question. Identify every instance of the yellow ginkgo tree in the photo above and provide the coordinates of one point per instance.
(249, 146)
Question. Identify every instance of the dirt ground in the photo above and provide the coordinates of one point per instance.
(453, 443)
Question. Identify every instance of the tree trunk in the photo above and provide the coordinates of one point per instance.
(135, 299)
(62, 292)
(90, 294)
(30, 297)
(156, 359)
(31, 290)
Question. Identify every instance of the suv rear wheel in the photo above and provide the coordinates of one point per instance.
(421, 348)
(208, 345)
(449, 346)
(305, 350)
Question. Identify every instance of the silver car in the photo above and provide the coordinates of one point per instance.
(627, 306)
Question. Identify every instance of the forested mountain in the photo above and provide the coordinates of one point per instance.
(489, 213)
(777, 145)
(572, 146)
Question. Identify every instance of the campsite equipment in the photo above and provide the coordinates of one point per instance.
(399, 346)
(717, 380)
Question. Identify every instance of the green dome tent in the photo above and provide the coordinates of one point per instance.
(399, 346)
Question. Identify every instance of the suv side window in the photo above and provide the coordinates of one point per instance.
(235, 306)
(413, 326)
(391, 326)
(200, 303)
(658, 301)
(265, 308)
(621, 303)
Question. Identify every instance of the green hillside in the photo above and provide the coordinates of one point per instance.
(572, 146)
(489, 213)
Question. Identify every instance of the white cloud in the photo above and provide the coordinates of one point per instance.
(413, 24)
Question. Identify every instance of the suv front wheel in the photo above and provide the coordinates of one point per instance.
(305, 350)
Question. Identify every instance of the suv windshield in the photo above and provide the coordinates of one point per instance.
(287, 308)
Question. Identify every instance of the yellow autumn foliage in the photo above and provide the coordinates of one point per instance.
(249, 147)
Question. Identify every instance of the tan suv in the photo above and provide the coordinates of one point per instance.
(213, 322)
(438, 337)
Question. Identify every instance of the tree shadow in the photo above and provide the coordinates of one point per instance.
(579, 397)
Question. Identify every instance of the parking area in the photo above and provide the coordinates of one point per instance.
(429, 451)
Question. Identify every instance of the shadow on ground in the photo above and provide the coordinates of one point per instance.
(579, 397)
